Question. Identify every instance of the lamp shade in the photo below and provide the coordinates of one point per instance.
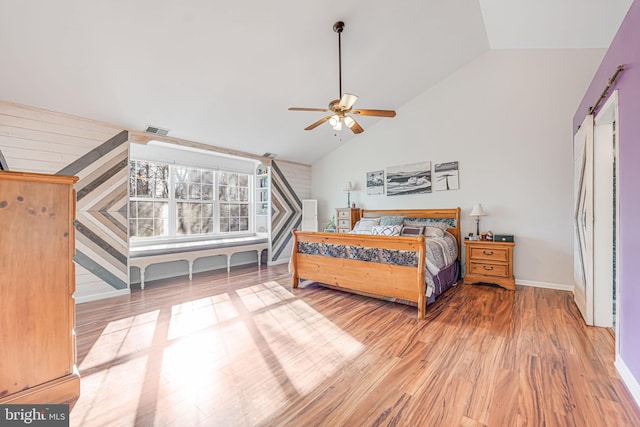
(477, 210)
(348, 186)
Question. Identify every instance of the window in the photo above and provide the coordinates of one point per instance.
(233, 192)
(149, 202)
(172, 201)
(194, 200)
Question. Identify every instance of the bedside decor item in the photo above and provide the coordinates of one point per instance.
(477, 211)
(503, 238)
(331, 225)
(348, 187)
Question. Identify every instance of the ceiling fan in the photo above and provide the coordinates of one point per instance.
(340, 108)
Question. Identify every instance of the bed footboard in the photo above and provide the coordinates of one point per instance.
(337, 260)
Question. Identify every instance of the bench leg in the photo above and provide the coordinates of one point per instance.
(190, 269)
(259, 257)
(228, 263)
(142, 278)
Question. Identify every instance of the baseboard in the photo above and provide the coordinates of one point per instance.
(628, 379)
(547, 285)
(102, 295)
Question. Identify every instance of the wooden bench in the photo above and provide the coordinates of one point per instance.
(143, 257)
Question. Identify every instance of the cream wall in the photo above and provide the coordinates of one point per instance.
(506, 118)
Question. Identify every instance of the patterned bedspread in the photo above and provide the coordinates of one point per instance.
(441, 253)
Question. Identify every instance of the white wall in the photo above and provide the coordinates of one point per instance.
(506, 118)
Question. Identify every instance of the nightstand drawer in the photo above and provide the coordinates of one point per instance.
(497, 270)
(344, 214)
(343, 230)
(344, 223)
(491, 254)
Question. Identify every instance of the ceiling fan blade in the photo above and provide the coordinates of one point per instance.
(324, 110)
(356, 128)
(347, 101)
(318, 123)
(379, 113)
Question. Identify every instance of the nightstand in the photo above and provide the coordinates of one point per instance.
(346, 218)
(490, 262)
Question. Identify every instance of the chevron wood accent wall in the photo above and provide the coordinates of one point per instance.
(3, 163)
(34, 140)
(101, 218)
(290, 183)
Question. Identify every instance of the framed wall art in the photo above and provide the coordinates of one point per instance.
(414, 178)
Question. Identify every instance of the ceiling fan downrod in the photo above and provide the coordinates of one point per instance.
(338, 27)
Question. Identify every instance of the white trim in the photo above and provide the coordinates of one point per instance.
(102, 295)
(628, 379)
(580, 299)
(547, 285)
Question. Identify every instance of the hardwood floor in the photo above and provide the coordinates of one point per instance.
(242, 349)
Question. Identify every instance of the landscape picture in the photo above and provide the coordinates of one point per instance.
(375, 183)
(445, 176)
(414, 178)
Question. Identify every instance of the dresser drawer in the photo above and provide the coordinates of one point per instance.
(490, 254)
(343, 230)
(496, 270)
(344, 214)
(344, 223)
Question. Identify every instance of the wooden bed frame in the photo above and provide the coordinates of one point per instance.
(374, 278)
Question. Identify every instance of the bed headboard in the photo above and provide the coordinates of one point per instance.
(451, 214)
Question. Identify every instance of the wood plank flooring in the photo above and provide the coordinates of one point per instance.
(243, 349)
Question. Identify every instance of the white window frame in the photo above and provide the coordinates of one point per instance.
(172, 206)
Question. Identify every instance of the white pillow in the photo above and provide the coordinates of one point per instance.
(386, 230)
(366, 224)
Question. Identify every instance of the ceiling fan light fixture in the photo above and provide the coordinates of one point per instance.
(339, 108)
(349, 122)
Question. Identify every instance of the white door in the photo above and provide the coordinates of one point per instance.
(583, 218)
(309, 215)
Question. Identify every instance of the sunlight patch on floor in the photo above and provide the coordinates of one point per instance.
(193, 316)
(119, 386)
(263, 295)
(321, 348)
(121, 338)
(229, 359)
(217, 371)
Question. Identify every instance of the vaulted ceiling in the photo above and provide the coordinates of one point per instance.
(224, 73)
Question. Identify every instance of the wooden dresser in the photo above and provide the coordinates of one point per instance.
(490, 262)
(346, 218)
(37, 282)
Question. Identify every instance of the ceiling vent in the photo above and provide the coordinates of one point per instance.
(157, 131)
(270, 155)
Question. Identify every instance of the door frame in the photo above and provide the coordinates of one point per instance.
(608, 114)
